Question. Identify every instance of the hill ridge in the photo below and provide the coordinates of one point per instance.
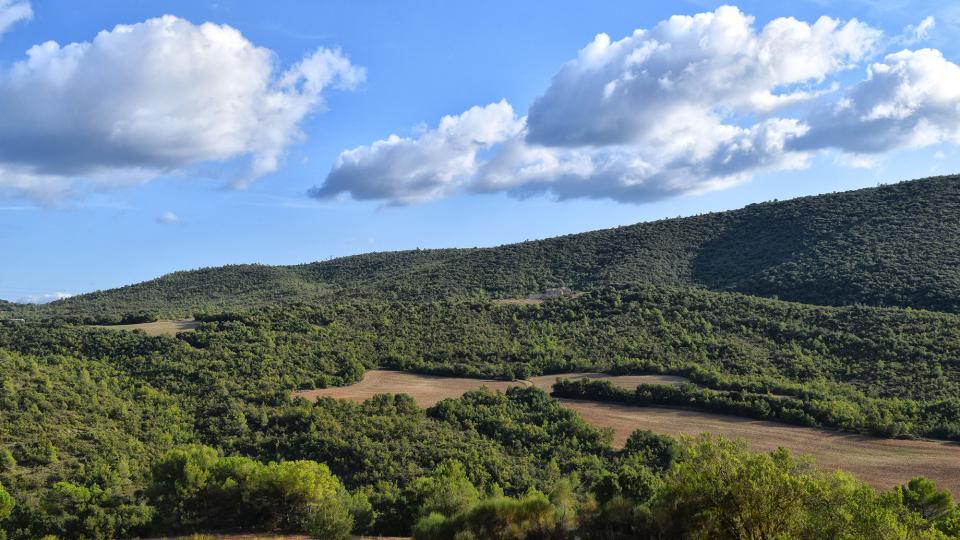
(890, 245)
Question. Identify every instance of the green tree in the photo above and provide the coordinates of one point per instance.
(923, 497)
(447, 491)
(6, 503)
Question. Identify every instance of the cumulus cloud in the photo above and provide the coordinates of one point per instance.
(723, 157)
(153, 98)
(168, 218)
(909, 99)
(12, 12)
(689, 68)
(437, 162)
(688, 106)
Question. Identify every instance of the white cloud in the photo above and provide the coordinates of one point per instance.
(913, 34)
(12, 12)
(44, 298)
(437, 162)
(153, 98)
(724, 156)
(909, 99)
(684, 107)
(687, 69)
(168, 218)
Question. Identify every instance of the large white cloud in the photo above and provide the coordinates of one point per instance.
(720, 156)
(688, 68)
(12, 12)
(435, 163)
(153, 98)
(687, 106)
(909, 99)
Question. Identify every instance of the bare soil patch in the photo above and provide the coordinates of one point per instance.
(269, 536)
(517, 301)
(427, 390)
(158, 328)
(882, 463)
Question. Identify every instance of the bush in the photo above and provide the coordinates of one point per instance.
(195, 488)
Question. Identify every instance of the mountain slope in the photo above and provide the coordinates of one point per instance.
(894, 245)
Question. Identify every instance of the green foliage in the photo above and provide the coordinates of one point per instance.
(655, 451)
(407, 460)
(195, 488)
(447, 491)
(715, 489)
(6, 503)
(530, 517)
(78, 438)
(922, 496)
(718, 489)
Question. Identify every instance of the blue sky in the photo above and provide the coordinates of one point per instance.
(103, 219)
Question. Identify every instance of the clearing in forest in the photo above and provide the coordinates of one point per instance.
(880, 462)
(158, 328)
(427, 390)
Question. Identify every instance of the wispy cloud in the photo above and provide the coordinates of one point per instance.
(168, 218)
(12, 12)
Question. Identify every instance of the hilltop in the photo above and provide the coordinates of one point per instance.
(893, 245)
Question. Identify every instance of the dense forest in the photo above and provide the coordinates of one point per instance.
(804, 312)
(103, 430)
(894, 245)
(884, 371)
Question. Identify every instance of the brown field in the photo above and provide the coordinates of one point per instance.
(269, 536)
(881, 462)
(158, 328)
(427, 390)
(517, 301)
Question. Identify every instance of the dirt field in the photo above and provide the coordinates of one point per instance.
(158, 328)
(429, 389)
(268, 536)
(517, 301)
(881, 462)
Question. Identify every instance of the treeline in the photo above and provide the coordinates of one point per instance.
(875, 418)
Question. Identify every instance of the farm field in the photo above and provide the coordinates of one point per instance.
(429, 389)
(158, 328)
(881, 462)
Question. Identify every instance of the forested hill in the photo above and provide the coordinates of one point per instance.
(894, 245)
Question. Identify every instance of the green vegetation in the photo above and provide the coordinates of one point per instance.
(715, 489)
(883, 371)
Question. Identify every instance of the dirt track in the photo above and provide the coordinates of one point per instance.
(881, 462)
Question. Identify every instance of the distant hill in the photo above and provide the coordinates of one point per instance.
(894, 245)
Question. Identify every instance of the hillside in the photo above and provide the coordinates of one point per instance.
(894, 245)
(99, 429)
